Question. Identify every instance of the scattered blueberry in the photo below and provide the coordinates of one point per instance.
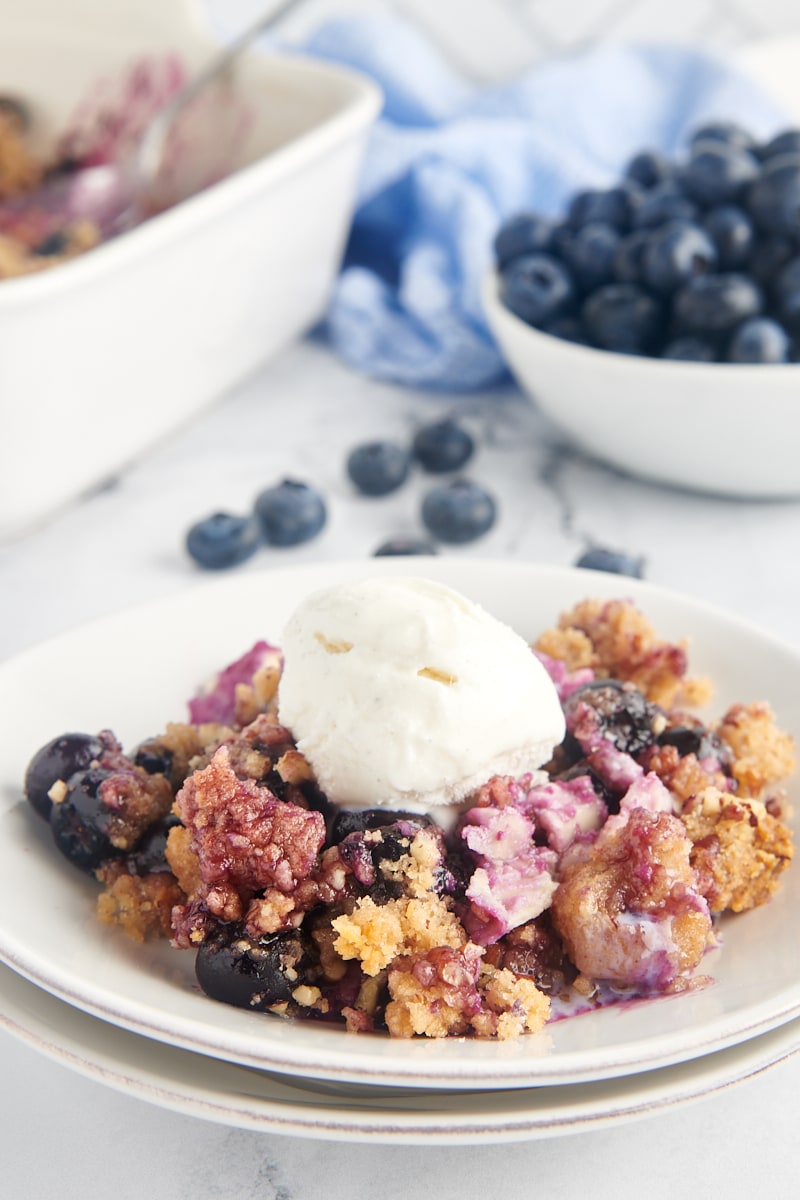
(290, 513)
(536, 287)
(759, 340)
(60, 758)
(617, 562)
(442, 446)
(378, 468)
(400, 546)
(79, 821)
(223, 540)
(458, 512)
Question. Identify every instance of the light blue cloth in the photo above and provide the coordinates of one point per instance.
(447, 163)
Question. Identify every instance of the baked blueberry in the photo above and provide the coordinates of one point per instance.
(617, 562)
(759, 340)
(525, 233)
(537, 287)
(713, 305)
(400, 546)
(616, 712)
(622, 317)
(59, 759)
(458, 512)
(732, 232)
(378, 468)
(674, 253)
(254, 973)
(290, 513)
(223, 540)
(79, 821)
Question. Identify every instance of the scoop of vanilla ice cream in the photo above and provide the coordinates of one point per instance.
(404, 694)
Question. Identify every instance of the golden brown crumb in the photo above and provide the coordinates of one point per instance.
(376, 933)
(512, 1005)
(141, 904)
(183, 861)
(762, 753)
(683, 775)
(19, 170)
(739, 849)
(623, 646)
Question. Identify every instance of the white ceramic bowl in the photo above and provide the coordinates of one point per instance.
(103, 355)
(728, 429)
(715, 427)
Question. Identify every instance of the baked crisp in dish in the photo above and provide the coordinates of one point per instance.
(602, 871)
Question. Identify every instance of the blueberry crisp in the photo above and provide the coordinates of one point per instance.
(600, 870)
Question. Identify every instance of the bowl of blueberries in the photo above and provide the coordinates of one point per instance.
(657, 321)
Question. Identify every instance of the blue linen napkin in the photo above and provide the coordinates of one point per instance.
(447, 163)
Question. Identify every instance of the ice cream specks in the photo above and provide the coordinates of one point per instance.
(404, 694)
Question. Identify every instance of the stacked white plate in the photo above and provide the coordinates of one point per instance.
(133, 1016)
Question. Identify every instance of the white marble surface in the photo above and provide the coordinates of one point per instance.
(62, 1135)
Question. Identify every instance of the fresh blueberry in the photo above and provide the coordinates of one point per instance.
(768, 258)
(223, 540)
(787, 142)
(718, 172)
(667, 201)
(759, 340)
(443, 446)
(787, 294)
(59, 759)
(615, 206)
(773, 200)
(617, 562)
(525, 233)
(568, 328)
(402, 546)
(732, 232)
(628, 257)
(290, 513)
(674, 253)
(591, 255)
(458, 512)
(622, 317)
(561, 240)
(690, 349)
(728, 133)
(713, 305)
(378, 468)
(649, 168)
(536, 287)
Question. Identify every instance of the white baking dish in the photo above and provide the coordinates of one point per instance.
(101, 356)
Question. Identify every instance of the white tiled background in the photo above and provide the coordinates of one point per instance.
(494, 39)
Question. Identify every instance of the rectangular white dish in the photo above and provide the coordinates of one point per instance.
(101, 356)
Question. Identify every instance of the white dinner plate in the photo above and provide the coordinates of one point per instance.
(245, 1097)
(133, 672)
